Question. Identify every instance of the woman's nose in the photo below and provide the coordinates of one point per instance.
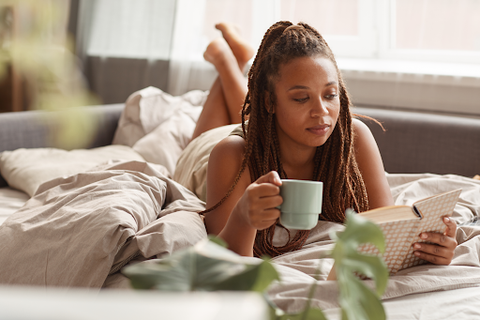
(319, 108)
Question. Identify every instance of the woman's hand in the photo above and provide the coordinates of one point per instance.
(443, 247)
(257, 206)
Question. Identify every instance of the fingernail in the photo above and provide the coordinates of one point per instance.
(424, 236)
(417, 253)
(446, 219)
(417, 246)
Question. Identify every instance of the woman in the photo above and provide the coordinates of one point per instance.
(296, 123)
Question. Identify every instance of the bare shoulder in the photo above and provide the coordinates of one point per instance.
(228, 152)
(361, 130)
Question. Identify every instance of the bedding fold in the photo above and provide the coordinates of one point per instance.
(76, 230)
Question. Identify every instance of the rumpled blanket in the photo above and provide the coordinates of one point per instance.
(77, 230)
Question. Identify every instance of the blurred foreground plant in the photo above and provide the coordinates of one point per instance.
(35, 43)
(209, 266)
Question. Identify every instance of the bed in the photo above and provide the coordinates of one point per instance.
(74, 219)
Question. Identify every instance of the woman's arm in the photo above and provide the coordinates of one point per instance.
(442, 246)
(371, 166)
(250, 206)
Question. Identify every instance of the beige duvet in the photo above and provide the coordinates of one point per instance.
(76, 231)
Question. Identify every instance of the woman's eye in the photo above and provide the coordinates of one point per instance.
(331, 96)
(301, 99)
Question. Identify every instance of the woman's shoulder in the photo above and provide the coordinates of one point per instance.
(230, 148)
(362, 133)
(226, 159)
(359, 126)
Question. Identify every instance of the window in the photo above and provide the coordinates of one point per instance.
(434, 30)
(439, 30)
(406, 54)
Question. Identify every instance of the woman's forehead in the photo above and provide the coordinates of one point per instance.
(303, 69)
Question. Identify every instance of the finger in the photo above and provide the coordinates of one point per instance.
(271, 177)
(264, 224)
(258, 191)
(267, 218)
(270, 214)
(439, 239)
(270, 202)
(434, 250)
(432, 258)
(265, 203)
(451, 229)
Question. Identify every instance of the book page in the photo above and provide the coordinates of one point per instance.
(390, 213)
(432, 210)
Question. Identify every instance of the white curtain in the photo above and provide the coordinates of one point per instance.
(186, 47)
(126, 45)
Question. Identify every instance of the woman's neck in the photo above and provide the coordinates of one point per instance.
(298, 163)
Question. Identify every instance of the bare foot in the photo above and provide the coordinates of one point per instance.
(219, 53)
(240, 48)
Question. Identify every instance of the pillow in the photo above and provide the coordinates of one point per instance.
(158, 125)
(27, 169)
(166, 142)
(191, 170)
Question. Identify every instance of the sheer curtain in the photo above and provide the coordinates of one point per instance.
(125, 45)
(187, 44)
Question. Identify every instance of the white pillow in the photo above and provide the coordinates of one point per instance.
(158, 125)
(165, 144)
(27, 169)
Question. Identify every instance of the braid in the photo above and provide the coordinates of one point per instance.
(334, 161)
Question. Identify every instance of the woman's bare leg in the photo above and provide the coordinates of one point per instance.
(229, 55)
(242, 51)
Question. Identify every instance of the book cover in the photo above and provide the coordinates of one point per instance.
(402, 225)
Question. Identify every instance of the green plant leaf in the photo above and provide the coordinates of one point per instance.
(254, 278)
(217, 240)
(308, 314)
(356, 299)
(207, 266)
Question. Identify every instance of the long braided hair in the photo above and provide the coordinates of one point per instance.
(334, 161)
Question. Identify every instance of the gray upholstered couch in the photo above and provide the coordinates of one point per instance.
(411, 143)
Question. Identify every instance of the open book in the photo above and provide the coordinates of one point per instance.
(402, 225)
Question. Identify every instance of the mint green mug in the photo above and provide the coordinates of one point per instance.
(302, 203)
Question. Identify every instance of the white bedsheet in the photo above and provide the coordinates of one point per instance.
(459, 304)
(10, 201)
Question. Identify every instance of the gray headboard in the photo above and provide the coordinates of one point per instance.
(426, 143)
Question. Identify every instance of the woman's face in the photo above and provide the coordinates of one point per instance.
(308, 102)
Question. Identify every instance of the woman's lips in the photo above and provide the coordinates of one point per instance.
(319, 129)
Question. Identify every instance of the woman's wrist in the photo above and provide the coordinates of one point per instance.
(238, 234)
